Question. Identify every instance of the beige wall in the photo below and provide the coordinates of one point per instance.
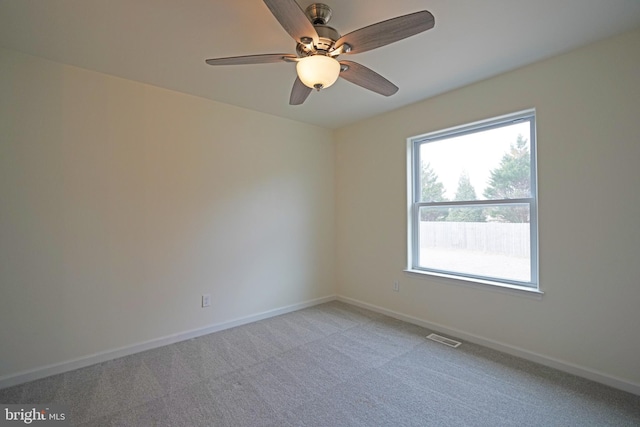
(122, 203)
(588, 107)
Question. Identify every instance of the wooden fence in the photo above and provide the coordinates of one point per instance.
(511, 239)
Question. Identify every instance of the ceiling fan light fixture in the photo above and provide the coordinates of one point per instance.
(317, 46)
(318, 71)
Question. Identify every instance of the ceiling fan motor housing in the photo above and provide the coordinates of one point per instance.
(319, 14)
(327, 37)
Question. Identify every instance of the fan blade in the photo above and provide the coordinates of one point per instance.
(251, 59)
(293, 20)
(368, 79)
(299, 93)
(386, 32)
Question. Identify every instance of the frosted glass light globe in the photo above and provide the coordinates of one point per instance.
(318, 71)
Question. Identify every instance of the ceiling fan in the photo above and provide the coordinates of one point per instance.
(318, 46)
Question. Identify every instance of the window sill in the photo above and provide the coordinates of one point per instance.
(482, 284)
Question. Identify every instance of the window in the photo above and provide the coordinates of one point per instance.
(472, 202)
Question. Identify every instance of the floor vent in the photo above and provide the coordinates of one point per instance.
(443, 340)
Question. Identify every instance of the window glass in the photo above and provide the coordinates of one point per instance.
(473, 206)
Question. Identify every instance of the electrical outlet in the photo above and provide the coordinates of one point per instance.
(396, 286)
(206, 300)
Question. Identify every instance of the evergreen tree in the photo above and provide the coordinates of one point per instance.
(466, 192)
(432, 191)
(511, 180)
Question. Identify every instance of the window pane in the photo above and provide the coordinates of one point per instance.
(491, 242)
(491, 164)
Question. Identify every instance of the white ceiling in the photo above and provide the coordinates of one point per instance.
(165, 42)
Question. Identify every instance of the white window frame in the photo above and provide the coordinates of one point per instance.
(414, 203)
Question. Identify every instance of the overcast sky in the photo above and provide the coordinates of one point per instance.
(477, 154)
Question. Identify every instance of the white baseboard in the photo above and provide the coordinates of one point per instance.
(551, 362)
(81, 362)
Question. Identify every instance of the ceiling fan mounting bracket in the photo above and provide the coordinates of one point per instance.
(343, 48)
(318, 13)
(304, 50)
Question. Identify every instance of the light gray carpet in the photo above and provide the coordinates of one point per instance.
(329, 365)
